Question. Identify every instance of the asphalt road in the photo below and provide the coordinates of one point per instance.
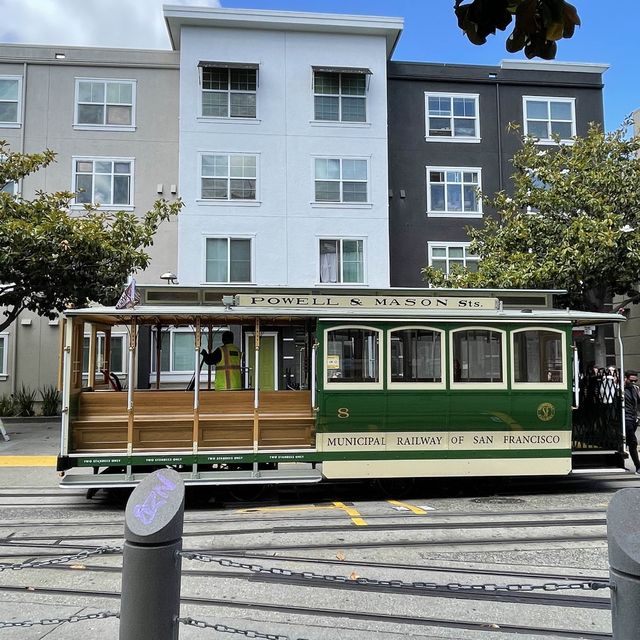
(361, 564)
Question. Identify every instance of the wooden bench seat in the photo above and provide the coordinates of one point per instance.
(164, 420)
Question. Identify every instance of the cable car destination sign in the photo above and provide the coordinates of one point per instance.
(367, 302)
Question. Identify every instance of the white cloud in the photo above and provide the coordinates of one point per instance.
(137, 24)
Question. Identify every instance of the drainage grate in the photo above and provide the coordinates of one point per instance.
(497, 500)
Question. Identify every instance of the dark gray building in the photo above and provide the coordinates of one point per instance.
(448, 136)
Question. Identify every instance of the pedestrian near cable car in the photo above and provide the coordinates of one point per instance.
(227, 360)
(631, 406)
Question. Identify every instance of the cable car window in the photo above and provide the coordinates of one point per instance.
(416, 355)
(352, 355)
(477, 356)
(537, 356)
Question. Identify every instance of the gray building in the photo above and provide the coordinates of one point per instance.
(448, 137)
(111, 115)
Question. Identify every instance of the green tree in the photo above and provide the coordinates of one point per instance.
(538, 24)
(51, 258)
(572, 222)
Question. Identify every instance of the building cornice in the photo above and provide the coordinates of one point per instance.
(177, 17)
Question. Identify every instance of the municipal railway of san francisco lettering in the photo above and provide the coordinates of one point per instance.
(463, 440)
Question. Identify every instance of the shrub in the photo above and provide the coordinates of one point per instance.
(24, 401)
(7, 406)
(50, 401)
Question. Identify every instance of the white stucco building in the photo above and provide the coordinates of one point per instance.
(283, 147)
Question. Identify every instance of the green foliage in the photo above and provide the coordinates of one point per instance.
(7, 407)
(538, 23)
(24, 402)
(53, 258)
(572, 222)
(50, 397)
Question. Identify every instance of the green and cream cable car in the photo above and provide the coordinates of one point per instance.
(336, 384)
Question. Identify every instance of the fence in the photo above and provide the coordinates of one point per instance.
(152, 558)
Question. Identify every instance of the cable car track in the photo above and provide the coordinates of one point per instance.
(337, 613)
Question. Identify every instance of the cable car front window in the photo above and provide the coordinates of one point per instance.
(352, 355)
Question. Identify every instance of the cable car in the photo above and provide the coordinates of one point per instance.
(333, 384)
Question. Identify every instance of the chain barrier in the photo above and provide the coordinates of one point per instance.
(50, 621)
(81, 555)
(429, 586)
(223, 628)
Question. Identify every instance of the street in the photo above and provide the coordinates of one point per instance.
(338, 561)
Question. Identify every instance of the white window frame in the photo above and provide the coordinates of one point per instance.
(94, 159)
(418, 385)
(4, 361)
(452, 138)
(228, 201)
(341, 386)
(454, 214)
(549, 99)
(10, 124)
(478, 385)
(119, 335)
(174, 375)
(341, 239)
(450, 245)
(341, 203)
(539, 385)
(236, 236)
(340, 122)
(228, 91)
(12, 186)
(83, 126)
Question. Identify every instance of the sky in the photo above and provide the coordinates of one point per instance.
(430, 33)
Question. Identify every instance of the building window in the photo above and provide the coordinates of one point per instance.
(342, 261)
(103, 181)
(453, 191)
(477, 356)
(228, 260)
(10, 100)
(341, 180)
(538, 356)
(444, 255)
(117, 362)
(340, 96)
(352, 356)
(4, 352)
(229, 92)
(105, 103)
(415, 355)
(177, 354)
(452, 116)
(546, 117)
(228, 177)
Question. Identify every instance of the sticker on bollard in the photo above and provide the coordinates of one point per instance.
(154, 509)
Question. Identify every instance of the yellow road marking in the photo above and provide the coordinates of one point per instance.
(354, 514)
(27, 461)
(411, 508)
(301, 508)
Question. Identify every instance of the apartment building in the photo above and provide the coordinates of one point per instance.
(111, 115)
(449, 137)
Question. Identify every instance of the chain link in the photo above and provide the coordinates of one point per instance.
(81, 555)
(429, 586)
(50, 621)
(223, 628)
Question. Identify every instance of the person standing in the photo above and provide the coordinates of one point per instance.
(631, 405)
(227, 361)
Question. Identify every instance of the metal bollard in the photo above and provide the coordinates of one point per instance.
(154, 518)
(623, 533)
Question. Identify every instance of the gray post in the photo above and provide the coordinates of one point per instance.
(623, 533)
(150, 602)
